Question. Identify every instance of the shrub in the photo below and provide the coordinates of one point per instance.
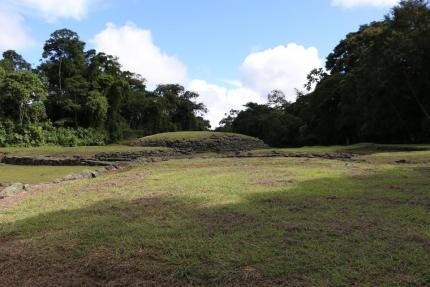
(65, 137)
(91, 137)
(45, 133)
(3, 135)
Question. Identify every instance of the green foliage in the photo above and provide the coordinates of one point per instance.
(28, 135)
(271, 124)
(375, 88)
(14, 62)
(96, 107)
(87, 97)
(3, 136)
(70, 137)
(21, 94)
(45, 134)
(2, 73)
(378, 82)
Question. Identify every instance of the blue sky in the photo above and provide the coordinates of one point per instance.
(230, 51)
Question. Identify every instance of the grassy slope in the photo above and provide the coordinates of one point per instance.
(187, 135)
(299, 222)
(36, 174)
(69, 151)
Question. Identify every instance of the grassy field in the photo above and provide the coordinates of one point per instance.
(228, 222)
(70, 151)
(36, 174)
(56, 151)
(362, 148)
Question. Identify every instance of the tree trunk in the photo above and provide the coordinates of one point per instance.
(76, 112)
(21, 114)
(59, 77)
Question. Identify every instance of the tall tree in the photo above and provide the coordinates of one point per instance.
(375, 88)
(179, 107)
(64, 66)
(377, 84)
(21, 97)
(13, 62)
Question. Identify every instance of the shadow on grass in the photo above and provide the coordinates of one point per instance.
(354, 231)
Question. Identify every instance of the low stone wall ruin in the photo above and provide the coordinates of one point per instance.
(100, 159)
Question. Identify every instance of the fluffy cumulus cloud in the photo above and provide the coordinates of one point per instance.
(357, 3)
(14, 35)
(283, 67)
(54, 9)
(221, 100)
(137, 53)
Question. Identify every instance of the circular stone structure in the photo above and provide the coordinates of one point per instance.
(202, 141)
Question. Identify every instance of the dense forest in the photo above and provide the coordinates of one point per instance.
(79, 97)
(375, 88)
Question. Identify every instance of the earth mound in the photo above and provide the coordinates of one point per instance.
(202, 141)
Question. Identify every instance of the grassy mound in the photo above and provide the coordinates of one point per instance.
(202, 141)
(191, 136)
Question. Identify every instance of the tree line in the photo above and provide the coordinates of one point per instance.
(375, 88)
(77, 96)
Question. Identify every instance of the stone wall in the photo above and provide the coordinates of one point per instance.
(13, 189)
(100, 159)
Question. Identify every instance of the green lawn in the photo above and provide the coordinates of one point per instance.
(228, 222)
(36, 174)
(69, 151)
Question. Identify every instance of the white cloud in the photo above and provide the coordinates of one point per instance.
(220, 100)
(137, 53)
(283, 67)
(54, 9)
(14, 35)
(357, 3)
